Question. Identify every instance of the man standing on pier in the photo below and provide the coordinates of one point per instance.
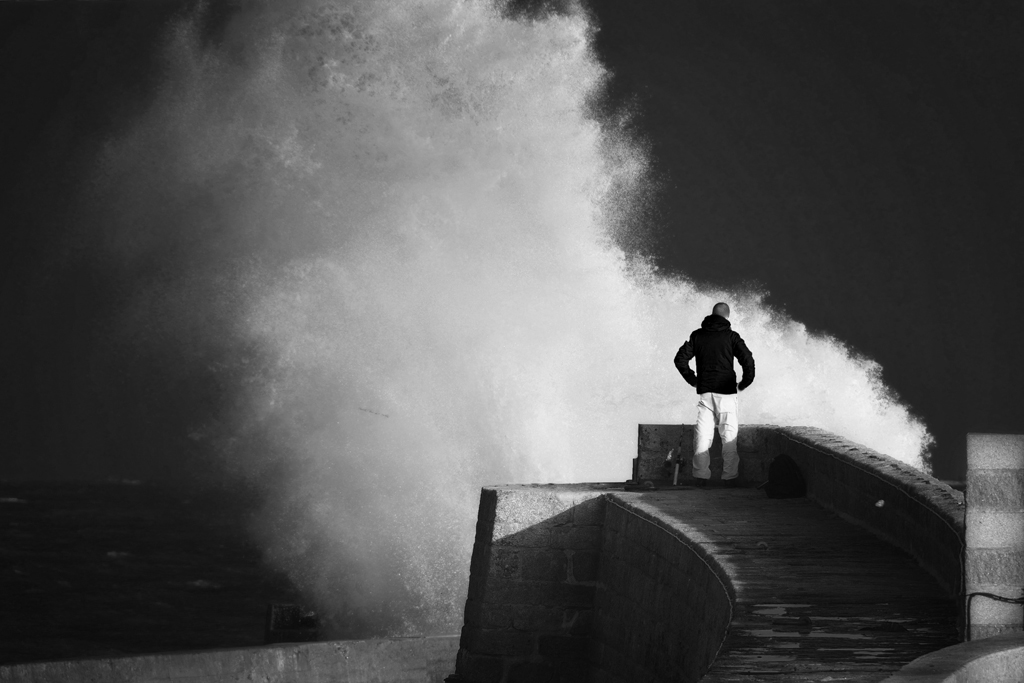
(714, 346)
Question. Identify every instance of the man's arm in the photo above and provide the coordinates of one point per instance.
(682, 361)
(746, 359)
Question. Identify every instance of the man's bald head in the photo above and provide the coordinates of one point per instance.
(721, 309)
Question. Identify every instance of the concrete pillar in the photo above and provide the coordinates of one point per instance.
(994, 556)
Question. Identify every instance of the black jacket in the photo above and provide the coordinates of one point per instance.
(714, 346)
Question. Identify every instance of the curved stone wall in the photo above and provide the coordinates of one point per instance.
(907, 508)
(663, 604)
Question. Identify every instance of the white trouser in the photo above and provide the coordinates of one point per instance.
(716, 409)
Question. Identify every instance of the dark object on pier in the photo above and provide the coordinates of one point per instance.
(785, 479)
(291, 624)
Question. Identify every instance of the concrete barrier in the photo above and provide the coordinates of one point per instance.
(385, 660)
(999, 659)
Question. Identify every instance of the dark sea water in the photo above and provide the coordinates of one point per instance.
(110, 569)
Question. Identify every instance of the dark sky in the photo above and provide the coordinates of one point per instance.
(861, 161)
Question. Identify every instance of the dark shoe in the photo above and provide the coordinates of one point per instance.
(700, 483)
(730, 483)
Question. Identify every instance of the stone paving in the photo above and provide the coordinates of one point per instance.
(817, 598)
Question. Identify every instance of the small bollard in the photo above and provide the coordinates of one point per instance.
(674, 454)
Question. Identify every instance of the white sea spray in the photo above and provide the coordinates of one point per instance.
(387, 234)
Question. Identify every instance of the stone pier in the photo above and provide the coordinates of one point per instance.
(580, 583)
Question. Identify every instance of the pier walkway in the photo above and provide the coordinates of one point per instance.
(817, 598)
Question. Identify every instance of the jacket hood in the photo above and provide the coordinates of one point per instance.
(715, 323)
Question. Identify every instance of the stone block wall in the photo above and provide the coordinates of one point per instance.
(663, 604)
(533, 577)
(994, 560)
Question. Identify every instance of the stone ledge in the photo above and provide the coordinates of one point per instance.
(398, 660)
